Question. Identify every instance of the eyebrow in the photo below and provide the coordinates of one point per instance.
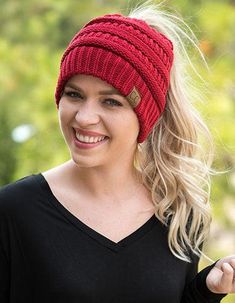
(105, 92)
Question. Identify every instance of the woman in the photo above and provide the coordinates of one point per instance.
(125, 219)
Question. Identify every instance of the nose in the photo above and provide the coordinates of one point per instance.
(87, 114)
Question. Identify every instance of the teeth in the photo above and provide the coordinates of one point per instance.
(88, 139)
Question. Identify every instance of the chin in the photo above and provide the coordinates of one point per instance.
(85, 163)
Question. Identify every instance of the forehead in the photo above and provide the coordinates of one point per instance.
(91, 82)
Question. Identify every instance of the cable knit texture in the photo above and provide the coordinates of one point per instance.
(129, 55)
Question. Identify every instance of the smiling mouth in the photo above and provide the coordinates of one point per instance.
(89, 139)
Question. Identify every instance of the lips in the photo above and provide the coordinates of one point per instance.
(89, 139)
(85, 141)
(88, 133)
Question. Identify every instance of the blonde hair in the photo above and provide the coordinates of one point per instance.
(174, 163)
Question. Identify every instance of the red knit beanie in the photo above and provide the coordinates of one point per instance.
(129, 55)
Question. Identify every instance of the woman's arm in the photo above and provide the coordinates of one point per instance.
(196, 288)
(4, 256)
(4, 277)
(4, 268)
(221, 278)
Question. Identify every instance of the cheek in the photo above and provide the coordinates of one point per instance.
(63, 117)
(64, 113)
(131, 124)
(136, 124)
(60, 118)
(126, 125)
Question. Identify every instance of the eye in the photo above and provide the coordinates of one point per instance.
(112, 102)
(72, 94)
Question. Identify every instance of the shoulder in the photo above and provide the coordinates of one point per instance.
(14, 194)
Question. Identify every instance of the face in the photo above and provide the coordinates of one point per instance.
(97, 122)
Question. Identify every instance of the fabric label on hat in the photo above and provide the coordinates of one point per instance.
(134, 97)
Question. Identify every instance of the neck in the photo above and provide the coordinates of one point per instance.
(114, 183)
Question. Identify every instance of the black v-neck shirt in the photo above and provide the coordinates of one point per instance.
(49, 255)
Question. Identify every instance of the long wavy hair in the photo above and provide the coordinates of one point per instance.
(175, 160)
